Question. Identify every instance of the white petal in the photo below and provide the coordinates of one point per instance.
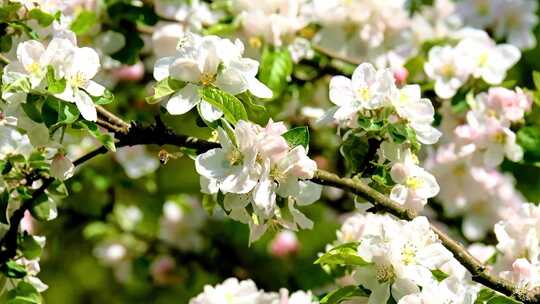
(186, 70)
(258, 88)
(85, 63)
(363, 75)
(93, 88)
(341, 91)
(299, 218)
(232, 81)
(212, 164)
(309, 193)
(184, 100)
(264, 195)
(209, 112)
(161, 68)
(85, 105)
(380, 294)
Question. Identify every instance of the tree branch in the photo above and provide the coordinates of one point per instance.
(159, 134)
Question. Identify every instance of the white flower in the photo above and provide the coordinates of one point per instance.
(61, 167)
(418, 111)
(402, 256)
(78, 68)
(448, 67)
(414, 184)
(209, 60)
(233, 167)
(515, 20)
(450, 290)
(230, 291)
(12, 142)
(488, 60)
(180, 223)
(368, 89)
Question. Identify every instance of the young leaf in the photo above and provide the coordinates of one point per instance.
(344, 254)
(276, 68)
(298, 136)
(13, 270)
(536, 79)
(84, 21)
(104, 138)
(232, 107)
(165, 88)
(54, 86)
(24, 293)
(342, 294)
(30, 248)
(44, 19)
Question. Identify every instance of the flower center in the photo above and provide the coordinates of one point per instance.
(384, 273)
(413, 182)
(363, 93)
(448, 70)
(408, 254)
(255, 42)
(34, 68)
(499, 137)
(78, 80)
(207, 78)
(235, 157)
(483, 59)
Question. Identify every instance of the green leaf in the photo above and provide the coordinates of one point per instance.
(164, 88)
(44, 209)
(276, 68)
(439, 275)
(120, 11)
(24, 293)
(104, 138)
(223, 29)
(29, 247)
(8, 10)
(104, 99)
(536, 79)
(30, 108)
(342, 294)
(298, 136)
(501, 300)
(208, 204)
(20, 85)
(354, 150)
(232, 107)
(84, 21)
(529, 139)
(13, 270)
(43, 18)
(256, 112)
(345, 254)
(4, 203)
(54, 86)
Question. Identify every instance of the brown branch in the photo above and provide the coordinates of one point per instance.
(159, 134)
(112, 119)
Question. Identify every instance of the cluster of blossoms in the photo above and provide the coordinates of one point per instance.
(373, 93)
(473, 146)
(234, 291)
(476, 56)
(518, 247)
(75, 66)
(204, 61)
(401, 259)
(258, 171)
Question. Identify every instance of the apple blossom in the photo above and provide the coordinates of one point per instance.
(209, 60)
(447, 66)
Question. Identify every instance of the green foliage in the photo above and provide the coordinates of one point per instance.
(276, 68)
(439, 275)
(43, 18)
(529, 139)
(298, 136)
(24, 293)
(164, 88)
(355, 149)
(488, 296)
(232, 107)
(345, 254)
(104, 138)
(84, 21)
(29, 247)
(54, 86)
(43, 208)
(343, 294)
(256, 112)
(12, 269)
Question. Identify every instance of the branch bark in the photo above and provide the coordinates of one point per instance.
(158, 134)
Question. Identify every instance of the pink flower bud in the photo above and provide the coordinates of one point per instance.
(28, 223)
(284, 244)
(129, 73)
(400, 75)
